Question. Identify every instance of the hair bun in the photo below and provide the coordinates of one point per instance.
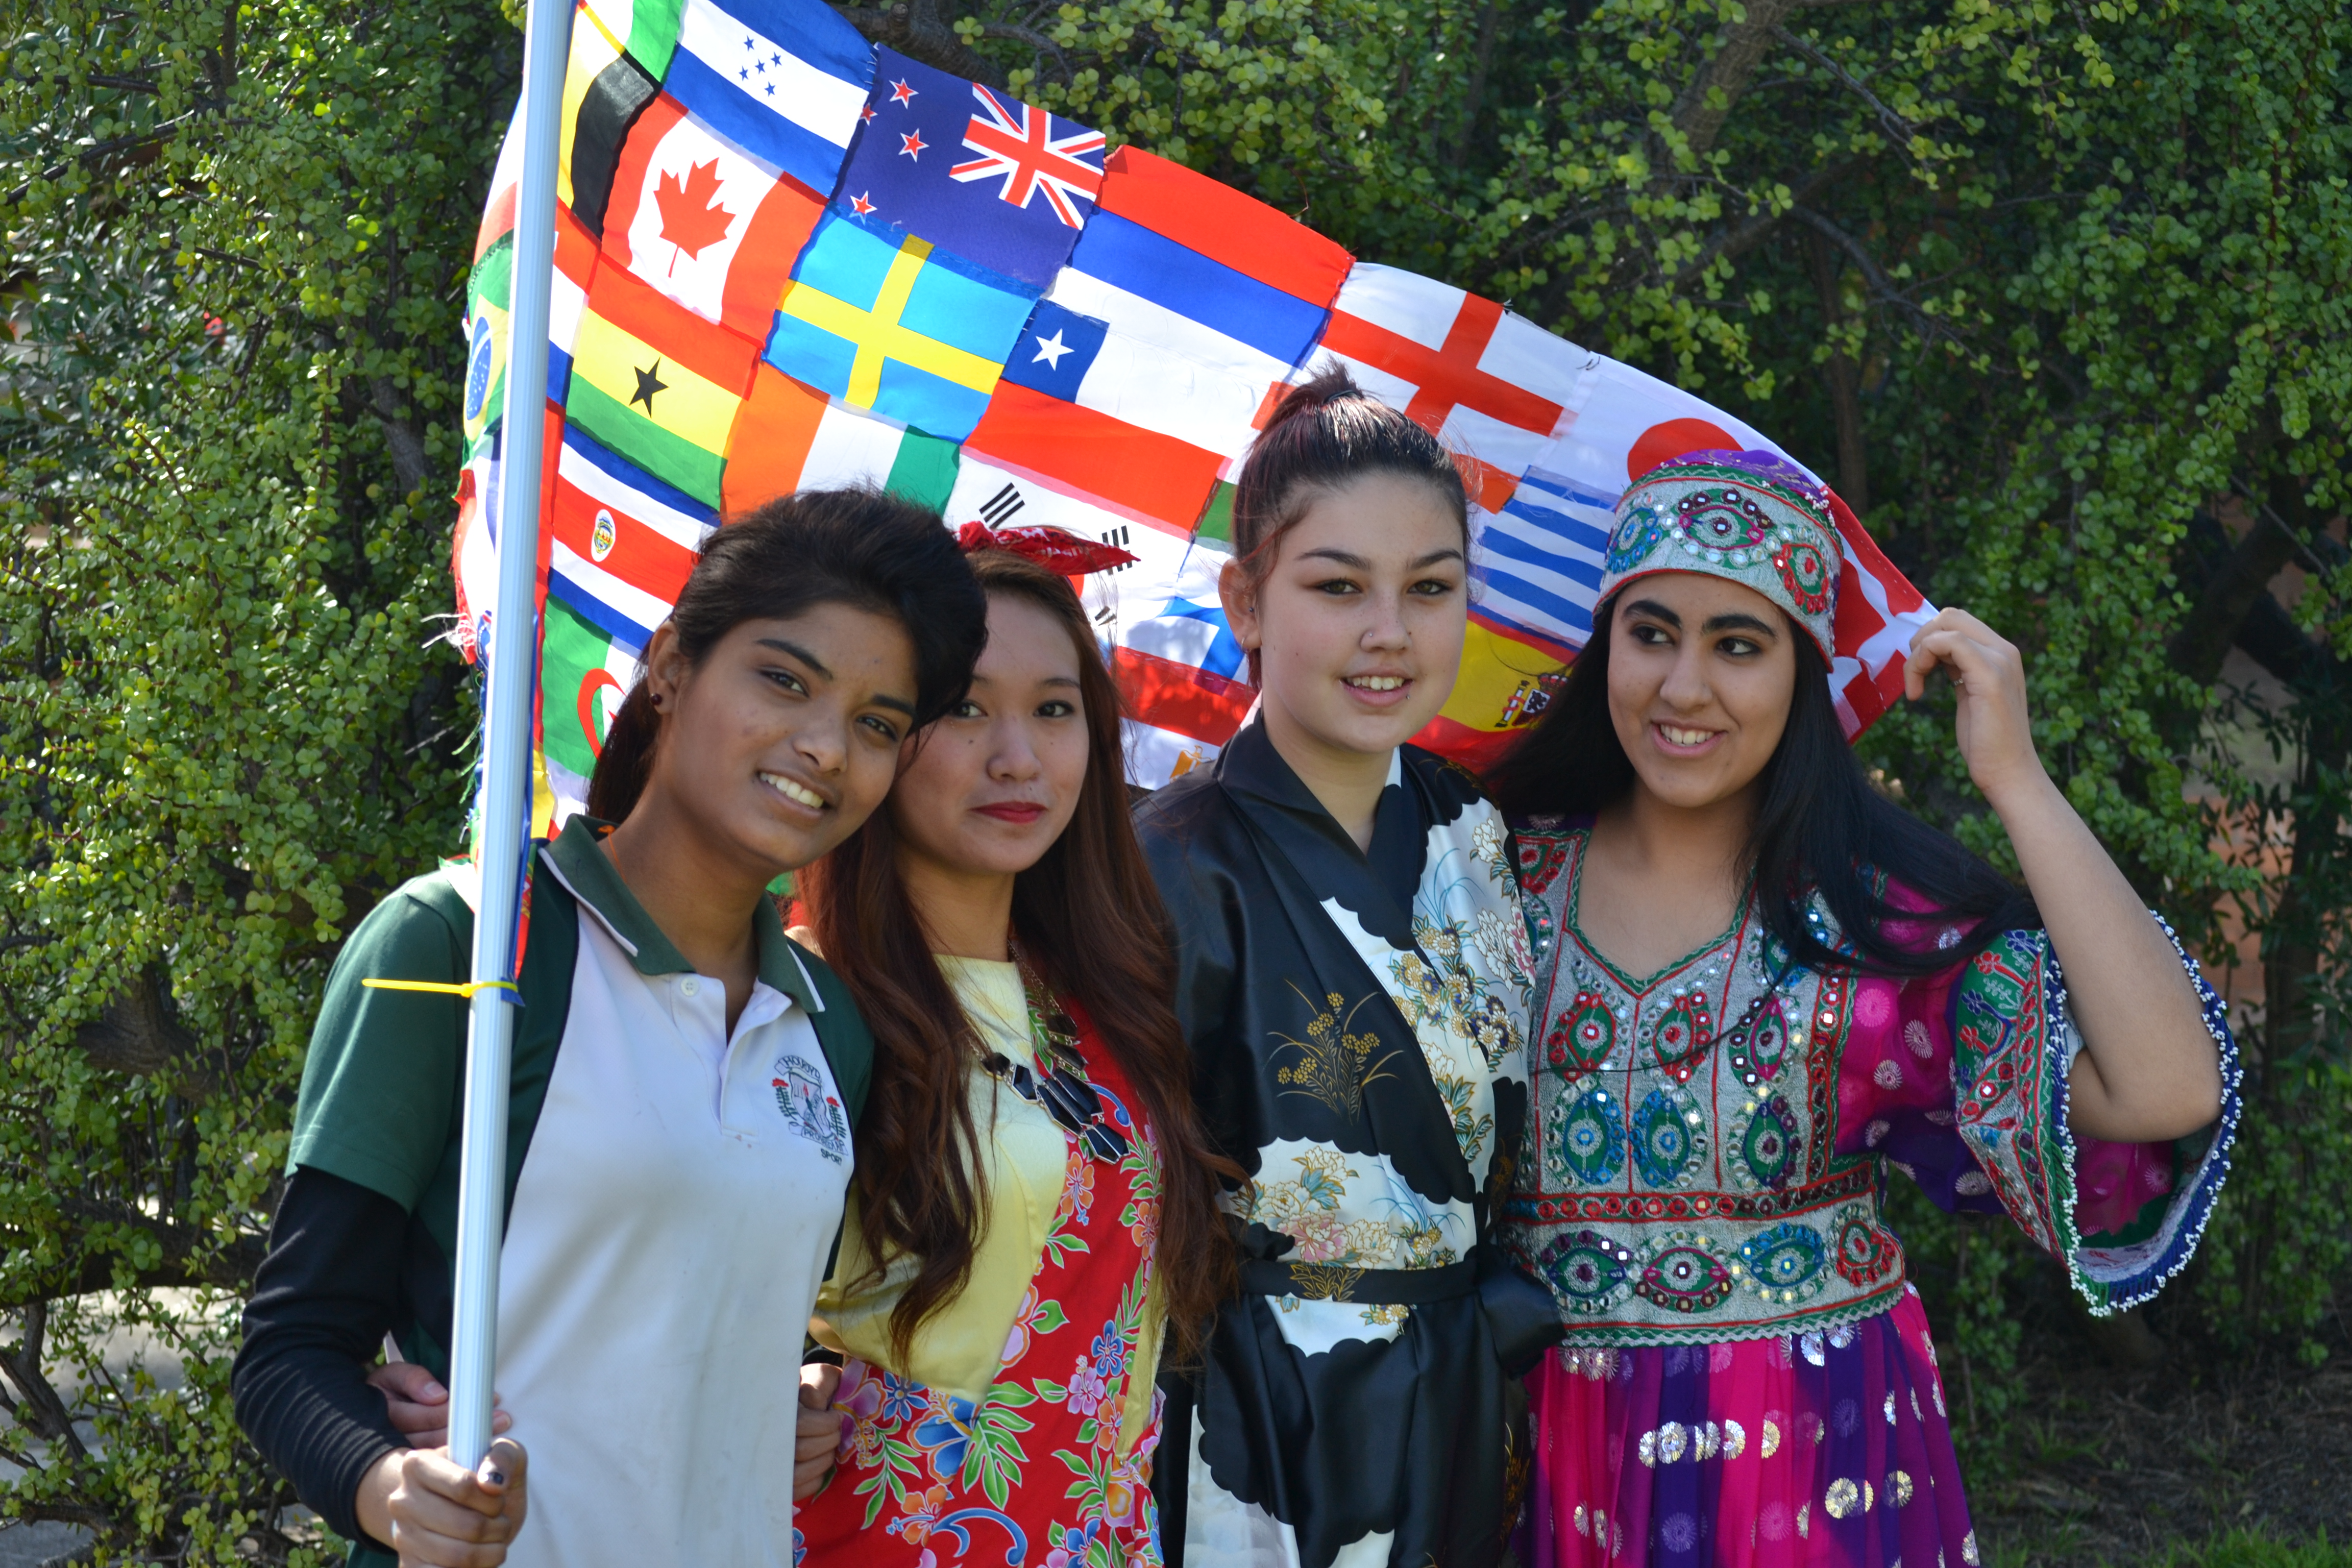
(1330, 384)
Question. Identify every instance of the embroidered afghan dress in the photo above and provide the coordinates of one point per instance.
(1747, 1378)
(1356, 1021)
(1022, 1427)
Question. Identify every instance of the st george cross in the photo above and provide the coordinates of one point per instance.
(1016, 144)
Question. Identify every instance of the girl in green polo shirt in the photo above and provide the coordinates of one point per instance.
(684, 1081)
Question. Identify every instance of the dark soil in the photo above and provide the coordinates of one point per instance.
(2114, 1463)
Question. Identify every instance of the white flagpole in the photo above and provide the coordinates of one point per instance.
(512, 656)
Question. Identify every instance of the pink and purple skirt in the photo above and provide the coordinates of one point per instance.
(1817, 1448)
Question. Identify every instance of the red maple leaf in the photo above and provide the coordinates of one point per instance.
(691, 216)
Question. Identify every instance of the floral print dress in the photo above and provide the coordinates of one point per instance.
(1024, 1430)
(1748, 1380)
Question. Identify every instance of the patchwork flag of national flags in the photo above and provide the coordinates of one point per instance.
(488, 294)
(583, 675)
(1539, 560)
(473, 551)
(782, 79)
(1495, 385)
(604, 91)
(971, 170)
(1055, 417)
(704, 222)
(1878, 614)
(1190, 270)
(1137, 383)
(1179, 668)
(1081, 360)
(888, 322)
(646, 29)
(498, 211)
(622, 542)
(787, 260)
(792, 437)
(657, 384)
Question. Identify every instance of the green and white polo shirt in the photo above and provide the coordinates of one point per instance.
(675, 1191)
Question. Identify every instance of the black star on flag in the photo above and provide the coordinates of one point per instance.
(649, 381)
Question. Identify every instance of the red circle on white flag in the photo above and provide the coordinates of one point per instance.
(1665, 441)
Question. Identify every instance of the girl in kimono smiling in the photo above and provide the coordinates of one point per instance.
(1760, 984)
(1035, 1204)
(1353, 974)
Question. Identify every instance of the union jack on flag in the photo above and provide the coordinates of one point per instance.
(1017, 143)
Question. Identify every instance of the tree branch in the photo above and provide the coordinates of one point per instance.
(91, 157)
(2232, 586)
(1840, 375)
(137, 1034)
(1031, 36)
(1695, 114)
(1894, 124)
(920, 31)
(1475, 95)
(1737, 242)
(409, 464)
(1881, 288)
(189, 1257)
(42, 1412)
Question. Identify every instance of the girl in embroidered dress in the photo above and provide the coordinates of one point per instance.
(1353, 977)
(1758, 985)
(1035, 1204)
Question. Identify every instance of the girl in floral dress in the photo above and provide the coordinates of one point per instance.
(1032, 1204)
(1352, 976)
(1759, 987)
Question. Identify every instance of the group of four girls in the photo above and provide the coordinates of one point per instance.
(1316, 1166)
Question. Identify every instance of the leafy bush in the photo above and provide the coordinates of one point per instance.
(237, 237)
(2058, 295)
(2240, 1550)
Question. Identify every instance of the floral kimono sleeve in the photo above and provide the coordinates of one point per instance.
(1959, 1080)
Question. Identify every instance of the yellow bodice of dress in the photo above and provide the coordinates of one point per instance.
(960, 1347)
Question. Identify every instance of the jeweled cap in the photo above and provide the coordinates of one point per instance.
(1753, 518)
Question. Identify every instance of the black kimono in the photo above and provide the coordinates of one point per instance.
(1357, 1023)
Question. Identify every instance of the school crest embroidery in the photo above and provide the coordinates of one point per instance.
(808, 1109)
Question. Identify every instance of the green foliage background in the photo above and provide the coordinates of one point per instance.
(2058, 293)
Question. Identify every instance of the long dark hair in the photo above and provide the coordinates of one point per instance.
(1089, 918)
(856, 547)
(1819, 827)
(1324, 434)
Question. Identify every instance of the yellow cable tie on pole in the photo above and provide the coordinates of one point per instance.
(446, 987)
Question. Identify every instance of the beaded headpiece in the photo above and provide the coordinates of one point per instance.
(1752, 517)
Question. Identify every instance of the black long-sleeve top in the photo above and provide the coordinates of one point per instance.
(343, 1267)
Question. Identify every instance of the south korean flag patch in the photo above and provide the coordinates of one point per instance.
(804, 1097)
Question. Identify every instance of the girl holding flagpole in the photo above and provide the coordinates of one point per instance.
(1759, 985)
(1034, 1209)
(1353, 974)
(685, 1082)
